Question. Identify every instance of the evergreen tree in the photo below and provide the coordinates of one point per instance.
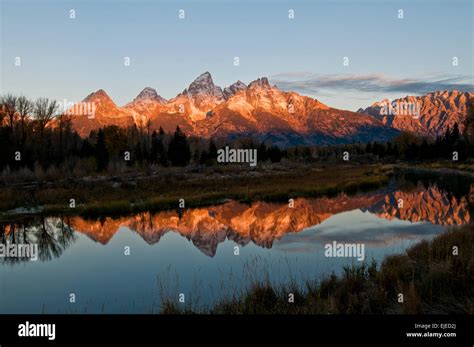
(87, 150)
(262, 152)
(204, 157)
(411, 152)
(154, 148)
(424, 149)
(162, 152)
(390, 151)
(212, 150)
(455, 134)
(179, 152)
(275, 154)
(447, 136)
(209, 157)
(368, 148)
(101, 155)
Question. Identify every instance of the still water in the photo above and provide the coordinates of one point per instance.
(129, 264)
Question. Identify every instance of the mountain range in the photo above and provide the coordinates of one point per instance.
(264, 112)
(436, 112)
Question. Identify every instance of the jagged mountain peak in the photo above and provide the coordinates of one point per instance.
(234, 88)
(435, 111)
(205, 76)
(98, 95)
(149, 93)
(261, 82)
(204, 84)
(444, 93)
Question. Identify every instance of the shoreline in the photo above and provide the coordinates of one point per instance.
(160, 191)
(118, 196)
(428, 278)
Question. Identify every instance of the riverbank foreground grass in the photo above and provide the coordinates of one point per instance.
(163, 190)
(431, 277)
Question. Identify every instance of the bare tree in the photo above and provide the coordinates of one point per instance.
(44, 111)
(25, 108)
(9, 103)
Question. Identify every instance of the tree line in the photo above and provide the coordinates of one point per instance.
(34, 135)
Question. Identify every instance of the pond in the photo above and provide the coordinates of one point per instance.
(130, 264)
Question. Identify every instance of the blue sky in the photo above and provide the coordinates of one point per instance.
(65, 58)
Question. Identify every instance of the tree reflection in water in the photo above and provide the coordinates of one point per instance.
(52, 235)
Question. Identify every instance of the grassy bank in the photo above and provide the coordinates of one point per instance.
(430, 277)
(443, 167)
(160, 191)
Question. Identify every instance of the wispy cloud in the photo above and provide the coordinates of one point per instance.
(308, 83)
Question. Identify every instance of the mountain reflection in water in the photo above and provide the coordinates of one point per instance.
(261, 223)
